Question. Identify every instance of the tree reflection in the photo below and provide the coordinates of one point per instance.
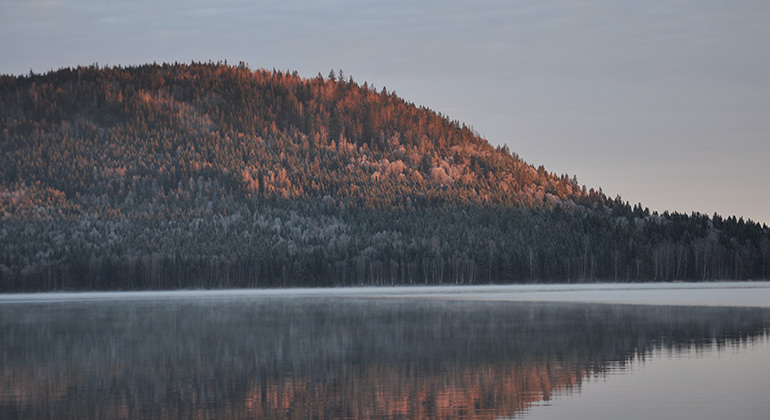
(319, 358)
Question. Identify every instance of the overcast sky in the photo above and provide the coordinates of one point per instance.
(666, 103)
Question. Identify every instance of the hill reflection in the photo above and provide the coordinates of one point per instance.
(321, 358)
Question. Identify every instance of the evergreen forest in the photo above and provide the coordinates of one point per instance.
(209, 175)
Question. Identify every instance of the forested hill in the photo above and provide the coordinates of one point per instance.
(143, 135)
(209, 175)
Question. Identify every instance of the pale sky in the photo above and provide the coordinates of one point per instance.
(666, 103)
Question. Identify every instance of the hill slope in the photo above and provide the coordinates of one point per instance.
(208, 175)
(147, 133)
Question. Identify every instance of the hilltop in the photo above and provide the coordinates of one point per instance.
(124, 136)
(210, 175)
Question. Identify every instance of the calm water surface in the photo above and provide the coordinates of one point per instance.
(292, 356)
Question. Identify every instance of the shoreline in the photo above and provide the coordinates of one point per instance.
(722, 293)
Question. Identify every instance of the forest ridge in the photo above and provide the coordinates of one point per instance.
(211, 175)
(147, 133)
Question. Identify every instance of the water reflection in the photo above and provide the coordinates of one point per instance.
(324, 358)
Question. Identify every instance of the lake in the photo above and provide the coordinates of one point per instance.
(641, 351)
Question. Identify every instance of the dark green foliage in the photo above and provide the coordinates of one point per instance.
(301, 243)
(205, 175)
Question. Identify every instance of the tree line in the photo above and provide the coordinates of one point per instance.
(301, 243)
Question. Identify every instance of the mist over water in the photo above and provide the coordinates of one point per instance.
(290, 355)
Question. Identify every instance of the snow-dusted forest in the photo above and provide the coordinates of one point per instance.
(212, 176)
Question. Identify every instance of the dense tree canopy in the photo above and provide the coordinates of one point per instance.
(209, 175)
